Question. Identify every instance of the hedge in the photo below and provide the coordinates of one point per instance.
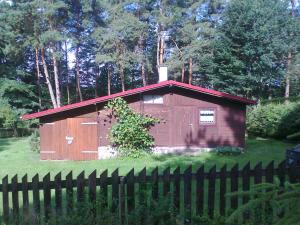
(275, 120)
(20, 132)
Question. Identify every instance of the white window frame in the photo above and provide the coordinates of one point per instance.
(208, 111)
(153, 99)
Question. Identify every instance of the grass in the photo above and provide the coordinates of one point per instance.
(16, 158)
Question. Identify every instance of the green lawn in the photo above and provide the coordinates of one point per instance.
(16, 158)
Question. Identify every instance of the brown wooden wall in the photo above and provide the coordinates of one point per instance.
(179, 125)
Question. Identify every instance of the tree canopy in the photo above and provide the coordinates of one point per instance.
(58, 52)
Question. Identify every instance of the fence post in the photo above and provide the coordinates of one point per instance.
(211, 191)
(25, 197)
(187, 194)
(200, 190)
(5, 199)
(246, 187)
(69, 190)
(234, 185)
(47, 196)
(176, 191)
(223, 187)
(58, 194)
(36, 195)
(130, 191)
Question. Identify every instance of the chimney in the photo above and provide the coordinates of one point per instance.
(163, 73)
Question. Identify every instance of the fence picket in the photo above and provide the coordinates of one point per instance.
(234, 185)
(92, 187)
(270, 172)
(142, 193)
(80, 187)
(187, 194)
(223, 188)
(103, 189)
(115, 190)
(154, 177)
(15, 198)
(25, 196)
(5, 199)
(246, 181)
(176, 192)
(130, 191)
(47, 196)
(36, 194)
(58, 194)
(69, 191)
(166, 181)
(200, 191)
(211, 191)
(258, 173)
(281, 171)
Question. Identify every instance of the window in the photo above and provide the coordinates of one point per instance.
(153, 99)
(207, 116)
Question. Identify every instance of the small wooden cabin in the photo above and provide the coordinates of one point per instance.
(192, 118)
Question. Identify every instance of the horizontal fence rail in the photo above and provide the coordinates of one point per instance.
(192, 192)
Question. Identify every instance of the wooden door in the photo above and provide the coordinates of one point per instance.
(184, 126)
(82, 139)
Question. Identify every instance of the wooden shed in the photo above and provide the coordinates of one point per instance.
(192, 118)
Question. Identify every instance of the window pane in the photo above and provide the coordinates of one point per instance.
(207, 116)
(153, 99)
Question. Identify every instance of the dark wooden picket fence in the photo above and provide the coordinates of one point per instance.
(195, 191)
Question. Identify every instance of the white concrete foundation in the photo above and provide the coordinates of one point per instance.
(107, 152)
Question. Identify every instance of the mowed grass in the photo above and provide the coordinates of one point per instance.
(17, 158)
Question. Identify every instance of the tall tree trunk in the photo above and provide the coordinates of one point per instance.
(108, 80)
(48, 82)
(190, 70)
(161, 51)
(287, 78)
(38, 73)
(143, 74)
(289, 60)
(96, 81)
(67, 72)
(122, 76)
(157, 53)
(56, 78)
(182, 73)
(78, 88)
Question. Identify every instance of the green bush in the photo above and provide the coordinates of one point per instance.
(228, 150)
(130, 134)
(34, 141)
(274, 120)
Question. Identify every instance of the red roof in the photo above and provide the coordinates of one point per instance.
(139, 90)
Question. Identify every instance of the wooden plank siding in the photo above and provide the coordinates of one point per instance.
(179, 124)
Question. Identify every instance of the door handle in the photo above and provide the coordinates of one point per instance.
(69, 140)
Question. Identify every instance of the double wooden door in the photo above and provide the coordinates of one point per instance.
(70, 139)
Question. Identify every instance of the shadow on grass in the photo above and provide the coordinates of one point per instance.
(4, 143)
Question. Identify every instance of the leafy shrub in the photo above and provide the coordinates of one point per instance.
(130, 134)
(228, 150)
(34, 141)
(274, 120)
